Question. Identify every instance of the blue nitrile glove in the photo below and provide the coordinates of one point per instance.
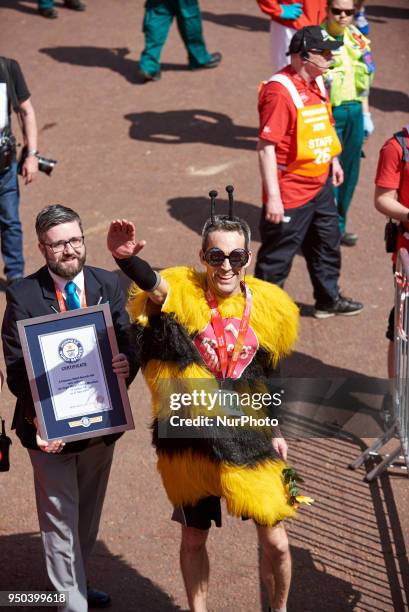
(368, 125)
(291, 11)
(361, 22)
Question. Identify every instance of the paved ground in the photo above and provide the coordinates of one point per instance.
(151, 153)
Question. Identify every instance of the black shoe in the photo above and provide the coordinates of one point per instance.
(75, 5)
(50, 13)
(150, 76)
(215, 59)
(98, 599)
(349, 239)
(342, 306)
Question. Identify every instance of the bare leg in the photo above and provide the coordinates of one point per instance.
(275, 564)
(194, 563)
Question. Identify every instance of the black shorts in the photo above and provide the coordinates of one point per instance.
(390, 332)
(201, 515)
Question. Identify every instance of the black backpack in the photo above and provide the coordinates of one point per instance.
(392, 229)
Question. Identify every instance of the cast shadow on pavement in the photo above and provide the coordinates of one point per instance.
(191, 125)
(326, 401)
(390, 12)
(247, 23)
(102, 57)
(193, 212)
(314, 589)
(389, 527)
(113, 59)
(19, 6)
(111, 573)
(389, 100)
(349, 534)
(301, 365)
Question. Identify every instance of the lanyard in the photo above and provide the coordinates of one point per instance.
(228, 370)
(61, 302)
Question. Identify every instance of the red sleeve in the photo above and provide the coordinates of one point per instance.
(314, 12)
(389, 171)
(277, 113)
(270, 7)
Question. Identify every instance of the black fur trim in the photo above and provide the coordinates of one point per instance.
(235, 445)
(166, 340)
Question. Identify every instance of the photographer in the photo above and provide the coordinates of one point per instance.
(14, 93)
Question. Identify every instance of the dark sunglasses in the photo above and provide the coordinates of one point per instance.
(237, 258)
(338, 11)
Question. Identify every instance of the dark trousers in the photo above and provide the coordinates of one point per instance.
(314, 229)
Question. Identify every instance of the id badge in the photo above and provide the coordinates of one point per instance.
(368, 61)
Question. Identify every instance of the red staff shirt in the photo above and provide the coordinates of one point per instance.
(392, 172)
(278, 124)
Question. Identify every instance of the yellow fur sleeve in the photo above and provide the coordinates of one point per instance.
(275, 318)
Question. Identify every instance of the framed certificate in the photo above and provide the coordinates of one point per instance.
(68, 357)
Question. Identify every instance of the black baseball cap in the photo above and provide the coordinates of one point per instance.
(312, 38)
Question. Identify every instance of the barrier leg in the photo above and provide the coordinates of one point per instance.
(389, 459)
(373, 450)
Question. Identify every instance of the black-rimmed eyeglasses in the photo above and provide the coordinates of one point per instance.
(75, 242)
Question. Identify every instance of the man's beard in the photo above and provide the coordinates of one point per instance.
(68, 274)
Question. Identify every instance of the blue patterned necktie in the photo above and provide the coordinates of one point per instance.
(73, 301)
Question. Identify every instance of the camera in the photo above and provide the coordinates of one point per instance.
(7, 152)
(392, 231)
(4, 448)
(44, 164)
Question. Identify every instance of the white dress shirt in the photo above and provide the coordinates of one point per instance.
(61, 282)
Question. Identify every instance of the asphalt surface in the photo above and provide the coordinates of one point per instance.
(151, 153)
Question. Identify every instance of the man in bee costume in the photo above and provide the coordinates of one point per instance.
(215, 326)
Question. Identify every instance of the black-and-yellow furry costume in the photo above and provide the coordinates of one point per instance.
(243, 467)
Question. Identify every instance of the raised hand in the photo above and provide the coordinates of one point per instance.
(121, 239)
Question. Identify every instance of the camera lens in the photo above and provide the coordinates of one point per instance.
(46, 165)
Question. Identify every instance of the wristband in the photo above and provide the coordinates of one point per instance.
(32, 153)
(158, 280)
(140, 272)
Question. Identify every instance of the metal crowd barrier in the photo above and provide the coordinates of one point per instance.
(399, 424)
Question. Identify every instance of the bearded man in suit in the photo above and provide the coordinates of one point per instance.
(70, 479)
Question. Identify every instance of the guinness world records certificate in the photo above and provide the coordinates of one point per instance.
(68, 357)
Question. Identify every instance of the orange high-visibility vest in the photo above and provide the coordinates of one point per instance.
(317, 140)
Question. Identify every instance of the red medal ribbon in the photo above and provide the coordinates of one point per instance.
(228, 370)
(61, 302)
